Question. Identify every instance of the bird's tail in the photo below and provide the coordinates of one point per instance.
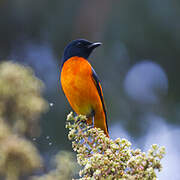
(100, 122)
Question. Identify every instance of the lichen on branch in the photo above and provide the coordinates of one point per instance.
(104, 158)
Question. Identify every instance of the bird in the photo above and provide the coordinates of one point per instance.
(81, 84)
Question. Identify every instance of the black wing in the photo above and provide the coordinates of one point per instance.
(98, 86)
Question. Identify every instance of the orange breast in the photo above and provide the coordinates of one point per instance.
(78, 86)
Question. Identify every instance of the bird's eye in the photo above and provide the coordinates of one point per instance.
(79, 44)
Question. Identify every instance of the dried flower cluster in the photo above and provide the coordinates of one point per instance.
(65, 168)
(104, 158)
(21, 104)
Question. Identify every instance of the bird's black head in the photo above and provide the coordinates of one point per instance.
(80, 48)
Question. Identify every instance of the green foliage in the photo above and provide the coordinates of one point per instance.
(104, 158)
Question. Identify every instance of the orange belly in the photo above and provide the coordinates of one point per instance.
(78, 86)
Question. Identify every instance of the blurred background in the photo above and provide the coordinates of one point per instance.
(138, 65)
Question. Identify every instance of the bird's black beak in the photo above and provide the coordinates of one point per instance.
(94, 45)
